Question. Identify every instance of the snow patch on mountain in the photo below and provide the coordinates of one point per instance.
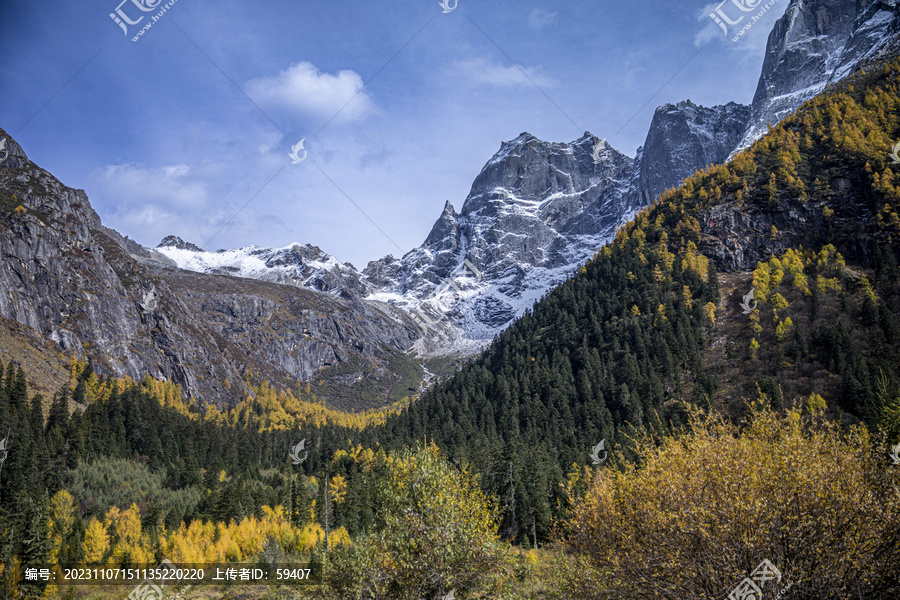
(296, 264)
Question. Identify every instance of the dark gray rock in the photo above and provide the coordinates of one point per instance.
(685, 137)
(173, 241)
(814, 44)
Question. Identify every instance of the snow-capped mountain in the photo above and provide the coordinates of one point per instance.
(534, 214)
(813, 45)
(538, 210)
(298, 264)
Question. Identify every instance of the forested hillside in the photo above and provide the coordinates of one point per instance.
(629, 342)
(717, 387)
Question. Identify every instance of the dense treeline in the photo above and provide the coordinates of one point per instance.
(409, 524)
(128, 453)
(822, 330)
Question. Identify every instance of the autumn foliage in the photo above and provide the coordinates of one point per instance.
(436, 533)
(119, 541)
(698, 512)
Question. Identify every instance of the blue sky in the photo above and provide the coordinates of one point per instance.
(175, 133)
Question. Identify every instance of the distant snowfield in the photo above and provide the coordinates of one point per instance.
(249, 261)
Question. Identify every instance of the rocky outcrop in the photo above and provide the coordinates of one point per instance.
(738, 235)
(93, 293)
(173, 241)
(300, 265)
(685, 137)
(816, 43)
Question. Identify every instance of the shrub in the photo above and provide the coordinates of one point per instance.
(436, 534)
(814, 404)
(703, 509)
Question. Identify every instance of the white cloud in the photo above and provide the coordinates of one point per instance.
(164, 187)
(709, 31)
(632, 73)
(539, 18)
(303, 90)
(148, 202)
(480, 71)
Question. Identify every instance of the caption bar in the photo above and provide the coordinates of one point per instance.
(171, 575)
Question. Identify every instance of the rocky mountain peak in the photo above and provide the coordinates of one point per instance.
(173, 241)
(684, 137)
(10, 148)
(446, 228)
(66, 207)
(534, 213)
(531, 169)
(816, 42)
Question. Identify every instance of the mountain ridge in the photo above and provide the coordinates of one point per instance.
(98, 295)
(534, 215)
(531, 218)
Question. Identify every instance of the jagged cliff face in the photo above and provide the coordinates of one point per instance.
(684, 137)
(738, 235)
(814, 44)
(535, 212)
(94, 293)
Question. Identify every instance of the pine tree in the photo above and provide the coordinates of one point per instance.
(37, 543)
(509, 528)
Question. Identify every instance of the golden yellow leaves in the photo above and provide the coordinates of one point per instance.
(62, 516)
(815, 404)
(700, 501)
(96, 542)
(783, 328)
(710, 310)
(337, 488)
(437, 527)
(119, 540)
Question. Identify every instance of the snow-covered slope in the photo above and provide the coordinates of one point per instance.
(300, 265)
